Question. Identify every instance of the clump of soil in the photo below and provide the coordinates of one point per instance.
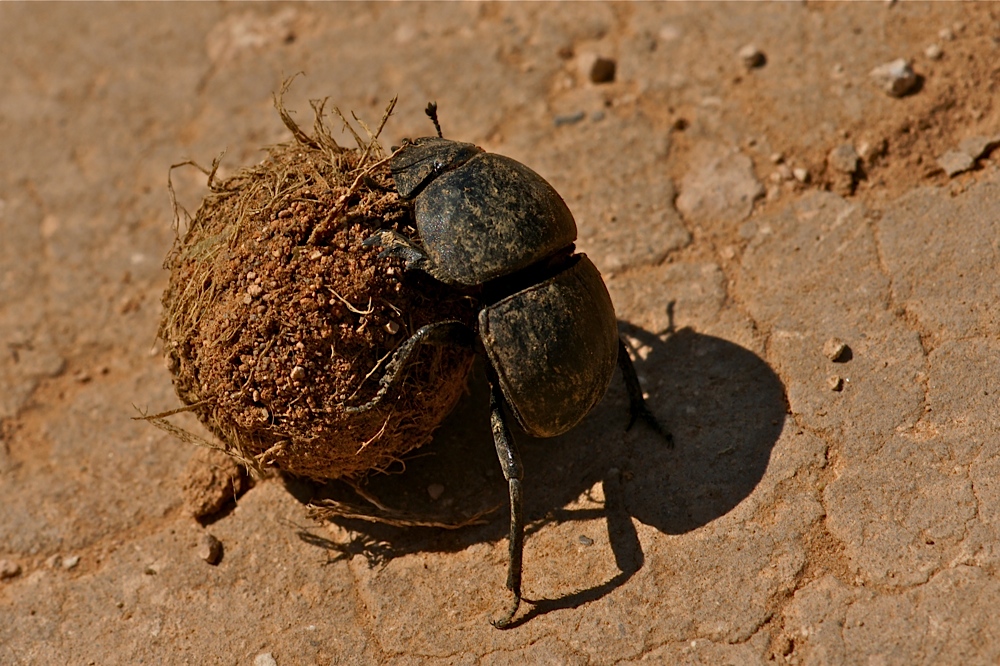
(276, 315)
(210, 480)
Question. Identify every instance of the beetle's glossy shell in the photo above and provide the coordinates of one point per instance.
(490, 217)
(554, 347)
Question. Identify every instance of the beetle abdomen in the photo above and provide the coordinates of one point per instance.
(490, 217)
(554, 347)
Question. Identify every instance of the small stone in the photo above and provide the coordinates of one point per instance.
(210, 548)
(835, 349)
(977, 146)
(391, 327)
(264, 659)
(669, 33)
(585, 540)
(801, 175)
(254, 290)
(946, 34)
(933, 52)
(752, 57)
(569, 118)
(777, 158)
(54, 561)
(602, 70)
(298, 373)
(70, 562)
(843, 158)
(9, 569)
(435, 490)
(897, 78)
(955, 162)
(835, 383)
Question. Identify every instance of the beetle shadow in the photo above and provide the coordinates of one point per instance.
(725, 407)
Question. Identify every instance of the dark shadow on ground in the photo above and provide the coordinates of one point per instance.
(723, 404)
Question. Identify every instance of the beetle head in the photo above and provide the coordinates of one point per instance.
(418, 162)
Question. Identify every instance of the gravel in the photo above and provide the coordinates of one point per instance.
(896, 78)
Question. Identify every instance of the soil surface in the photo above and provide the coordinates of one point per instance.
(804, 260)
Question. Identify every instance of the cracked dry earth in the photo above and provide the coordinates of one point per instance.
(813, 511)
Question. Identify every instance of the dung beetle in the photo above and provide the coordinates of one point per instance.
(546, 325)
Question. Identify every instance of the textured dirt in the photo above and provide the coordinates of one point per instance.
(813, 511)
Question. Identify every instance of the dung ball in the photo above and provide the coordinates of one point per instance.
(276, 316)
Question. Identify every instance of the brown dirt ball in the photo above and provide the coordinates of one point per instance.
(276, 316)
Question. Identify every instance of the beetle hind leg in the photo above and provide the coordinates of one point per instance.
(513, 471)
(637, 404)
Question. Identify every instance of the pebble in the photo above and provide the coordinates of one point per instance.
(210, 548)
(569, 118)
(602, 70)
(933, 52)
(70, 562)
(843, 158)
(946, 34)
(835, 383)
(969, 150)
(955, 162)
(977, 146)
(298, 373)
(265, 659)
(897, 78)
(835, 349)
(585, 540)
(9, 569)
(435, 490)
(752, 57)
(801, 175)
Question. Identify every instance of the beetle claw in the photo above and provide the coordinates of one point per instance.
(505, 620)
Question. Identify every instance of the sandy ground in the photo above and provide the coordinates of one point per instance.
(812, 512)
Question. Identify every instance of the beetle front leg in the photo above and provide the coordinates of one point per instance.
(637, 404)
(398, 246)
(447, 332)
(510, 462)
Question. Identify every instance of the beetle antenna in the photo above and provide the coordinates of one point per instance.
(432, 113)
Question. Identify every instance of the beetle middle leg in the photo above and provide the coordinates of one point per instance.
(637, 404)
(513, 471)
(439, 333)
